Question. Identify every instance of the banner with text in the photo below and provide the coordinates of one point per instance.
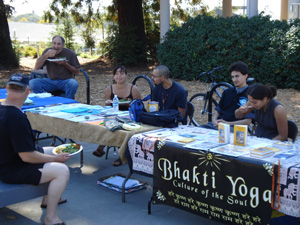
(229, 190)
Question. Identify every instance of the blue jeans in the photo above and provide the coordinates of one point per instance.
(41, 85)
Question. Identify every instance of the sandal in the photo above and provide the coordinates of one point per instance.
(117, 162)
(61, 201)
(99, 152)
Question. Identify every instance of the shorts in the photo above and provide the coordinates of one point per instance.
(27, 174)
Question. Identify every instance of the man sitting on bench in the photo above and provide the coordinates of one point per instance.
(20, 161)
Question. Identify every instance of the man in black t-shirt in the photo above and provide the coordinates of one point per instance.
(233, 98)
(20, 161)
(168, 93)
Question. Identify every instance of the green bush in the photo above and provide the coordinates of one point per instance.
(26, 50)
(270, 48)
(30, 51)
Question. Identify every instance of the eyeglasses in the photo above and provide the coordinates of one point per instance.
(154, 76)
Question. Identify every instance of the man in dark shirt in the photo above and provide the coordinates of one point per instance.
(20, 161)
(61, 65)
(233, 98)
(168, 93)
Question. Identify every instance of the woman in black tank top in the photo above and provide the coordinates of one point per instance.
(123, 90)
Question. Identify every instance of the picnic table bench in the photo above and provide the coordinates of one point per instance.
(14, 193)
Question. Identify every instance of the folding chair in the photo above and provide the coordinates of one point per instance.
(292, 130)
(190, 112)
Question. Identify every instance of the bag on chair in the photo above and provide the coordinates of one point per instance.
(137, 107)
(165, 118)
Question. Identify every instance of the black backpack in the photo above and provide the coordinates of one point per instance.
(165, 118)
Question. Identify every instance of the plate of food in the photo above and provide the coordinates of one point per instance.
(121, 101)
(71, 148)
(57, 60)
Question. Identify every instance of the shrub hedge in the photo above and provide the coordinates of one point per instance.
(270, 48)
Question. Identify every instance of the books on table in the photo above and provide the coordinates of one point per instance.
(224, 133)
(261, 152)
(283, 145)
(240, 135)
(231, 150)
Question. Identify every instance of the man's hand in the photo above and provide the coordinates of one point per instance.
(214, 122)
(221, 121)
(244, 108)
(62, 157)
(41, 61)
(51, 53)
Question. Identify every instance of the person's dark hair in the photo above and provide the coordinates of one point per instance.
(259, 91)
(123, 69)
(163, 71)
(62, 39)
(240, 67)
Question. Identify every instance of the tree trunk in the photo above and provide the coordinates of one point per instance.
(8, 57)
(130, 16)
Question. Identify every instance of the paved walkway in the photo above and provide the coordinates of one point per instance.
(91, 204)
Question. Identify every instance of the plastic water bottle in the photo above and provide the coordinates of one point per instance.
(115, 103)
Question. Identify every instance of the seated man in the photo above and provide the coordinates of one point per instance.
(60, 73)
(20, 161)
(169, 94)
(232, 99)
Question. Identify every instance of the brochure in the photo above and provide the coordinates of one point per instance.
(224, 133)
(240, 135)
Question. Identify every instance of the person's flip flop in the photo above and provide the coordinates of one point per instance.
(61, 201)
(98, 154)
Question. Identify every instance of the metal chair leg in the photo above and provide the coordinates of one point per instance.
(81, 159)
(149, 205)
(123, 186)
(107, 150)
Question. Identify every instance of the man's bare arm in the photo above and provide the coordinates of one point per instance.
(41, 61)
(37, 157)
(182, 111)
(69, 67)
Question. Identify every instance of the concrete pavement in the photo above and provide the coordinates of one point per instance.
(91, 204)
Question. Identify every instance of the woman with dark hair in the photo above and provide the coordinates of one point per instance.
(270, 115)
(123, 90)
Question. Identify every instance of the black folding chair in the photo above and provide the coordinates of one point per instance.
(190, 112)
(292, 130)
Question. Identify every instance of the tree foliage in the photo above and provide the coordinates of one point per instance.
(8, 57)
(272, 51)
(133, 24)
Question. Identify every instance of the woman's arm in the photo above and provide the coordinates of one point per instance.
(107, 95)
(243, 111)
(282, 124)
(136, 93)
